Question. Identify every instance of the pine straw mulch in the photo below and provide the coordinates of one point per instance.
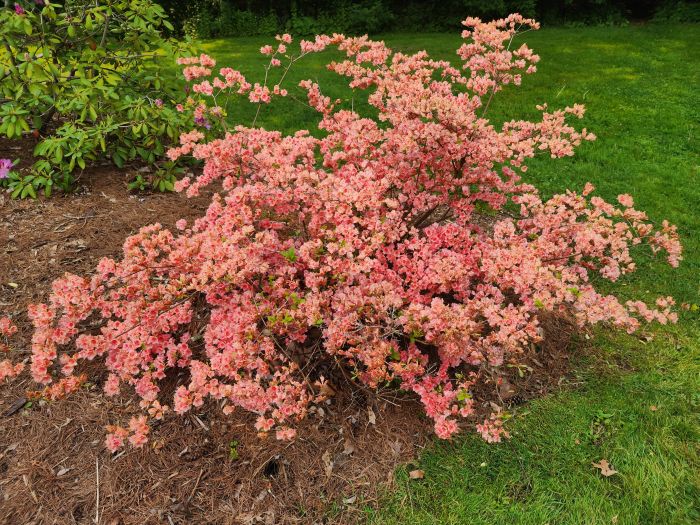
(205, 467)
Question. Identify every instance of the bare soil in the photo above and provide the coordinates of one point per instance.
(205, 468)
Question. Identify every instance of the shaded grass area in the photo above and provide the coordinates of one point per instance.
(636, 399)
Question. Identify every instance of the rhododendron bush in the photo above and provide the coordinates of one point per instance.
(367, 249)
(83, 79)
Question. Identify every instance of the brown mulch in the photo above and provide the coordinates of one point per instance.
(205, 467)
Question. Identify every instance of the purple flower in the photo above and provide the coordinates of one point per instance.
(201, 121)
(5, 167)
(18, 9)
(158, 102)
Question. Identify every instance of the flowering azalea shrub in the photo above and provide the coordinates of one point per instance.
(83, 78)
(366, 249)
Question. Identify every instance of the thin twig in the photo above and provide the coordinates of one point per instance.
(196, 484)
(97, 503)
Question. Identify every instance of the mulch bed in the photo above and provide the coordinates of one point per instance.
(205, 467)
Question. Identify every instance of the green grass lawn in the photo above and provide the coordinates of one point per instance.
(641, 85)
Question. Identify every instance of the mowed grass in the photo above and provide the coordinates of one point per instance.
(635, 400)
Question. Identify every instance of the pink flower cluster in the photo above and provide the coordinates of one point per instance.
(364, 249)
(7, 327)
(212, 87)
(488, 57)
(136, 434)
(197, 67)
(8, 369)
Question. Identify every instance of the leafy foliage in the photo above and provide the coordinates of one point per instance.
(219, 18)
(83, 78)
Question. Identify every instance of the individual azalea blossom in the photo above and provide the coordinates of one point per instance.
(365, 246)
(492, 430)
(285, 434)
(203, 87)
(625, 200)
(116, 437)
(139, 429)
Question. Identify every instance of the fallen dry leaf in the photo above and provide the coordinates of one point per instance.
(110, 199)
(371, 416)
(396, 447)
(348, 447)
(653, 408)
(326, 390)
(416, 474)
(327, 463)
(605, 468)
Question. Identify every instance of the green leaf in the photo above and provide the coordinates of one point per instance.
(28, 190)
(233, 449)
(290, 254)
(463, 395)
